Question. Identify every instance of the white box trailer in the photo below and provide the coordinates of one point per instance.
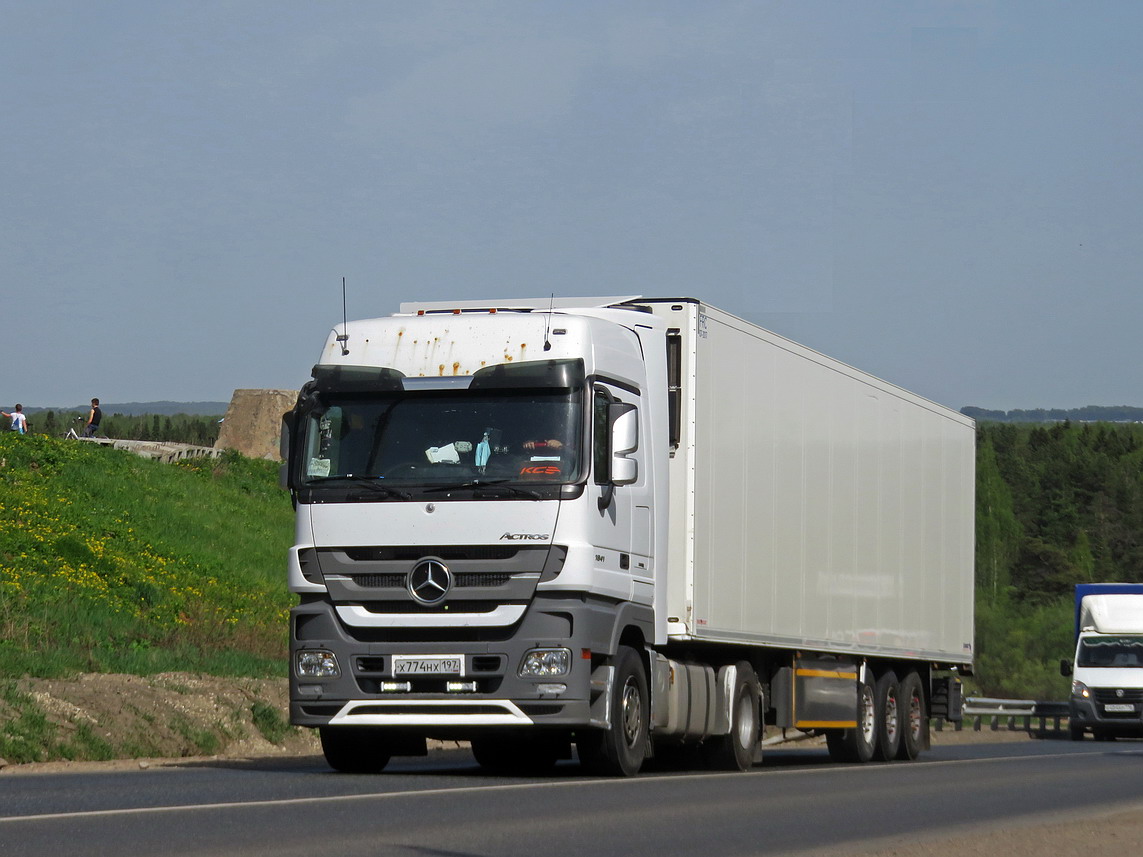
(815, 506)
(712, 529)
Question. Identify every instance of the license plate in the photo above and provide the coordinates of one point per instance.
(428, 665)
(1118, 708)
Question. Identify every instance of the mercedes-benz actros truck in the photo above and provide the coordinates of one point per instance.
(632, 527)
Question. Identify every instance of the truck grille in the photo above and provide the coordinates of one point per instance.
(1106, 695)
(397, 581)
(415, 553)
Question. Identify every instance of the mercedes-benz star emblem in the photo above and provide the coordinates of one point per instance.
(429, 581)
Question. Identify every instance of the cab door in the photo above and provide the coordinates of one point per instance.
(624, 535)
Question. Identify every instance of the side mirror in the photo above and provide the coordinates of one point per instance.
(624, 419)
(285, 441)
(1065, 667)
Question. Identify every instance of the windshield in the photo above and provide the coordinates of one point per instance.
(1114, 651)
(401, 442)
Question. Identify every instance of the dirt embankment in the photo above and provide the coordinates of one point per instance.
(165, 716)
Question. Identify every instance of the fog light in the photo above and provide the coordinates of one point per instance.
(542, 663)
(553, 689)
(396, 686)
(460, 687)
(317, 663)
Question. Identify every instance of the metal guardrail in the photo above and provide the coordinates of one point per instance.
(1036, 717)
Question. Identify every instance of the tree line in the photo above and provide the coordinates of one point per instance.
(177, 428)
(1088, 414)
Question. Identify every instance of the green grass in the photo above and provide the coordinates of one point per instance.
(114, 563)
(269, 722)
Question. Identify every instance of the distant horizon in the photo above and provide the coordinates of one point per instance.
(162, 406)
(214, 407)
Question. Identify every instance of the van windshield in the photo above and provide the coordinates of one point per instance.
(421, 438)
(1110, 651)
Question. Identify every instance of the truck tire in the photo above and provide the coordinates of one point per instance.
(620, 750)
(515, 755)
(857, 745)
(735, 751)
(355, 749)
(887, 696)
(913, 716)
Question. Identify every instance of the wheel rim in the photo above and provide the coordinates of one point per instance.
(891, 724)
(745, 720)
(632, 712)
(868, 724)
(916, 717)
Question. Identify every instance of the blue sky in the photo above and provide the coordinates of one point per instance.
(945, 194)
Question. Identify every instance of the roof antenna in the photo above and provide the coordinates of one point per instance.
(548, 326)
(344, 337)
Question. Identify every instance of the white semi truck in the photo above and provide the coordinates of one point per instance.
(1107, 672)
(637, 526)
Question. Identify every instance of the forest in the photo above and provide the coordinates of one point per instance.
(1056, 505)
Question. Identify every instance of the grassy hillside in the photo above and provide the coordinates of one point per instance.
(114, 563)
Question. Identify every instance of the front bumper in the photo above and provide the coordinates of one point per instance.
(495, 696)
(1092, 715)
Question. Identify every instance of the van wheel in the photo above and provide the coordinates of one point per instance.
(886, 693)
(735, 752)
(355, 749)
(857, 745)
(913, 716)
(1075, 732)
(620, 750)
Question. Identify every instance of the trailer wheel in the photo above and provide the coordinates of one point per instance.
(355, 749)
(515, 755)
(620, 750)
(912, 708)
(735, 751)
(857, 745)
(887, 693)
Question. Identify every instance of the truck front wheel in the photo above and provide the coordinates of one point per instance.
(619, 751)
(355, 749)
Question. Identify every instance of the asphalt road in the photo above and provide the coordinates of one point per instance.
(797, 801)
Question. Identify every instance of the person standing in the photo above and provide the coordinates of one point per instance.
(19, 421)
(93, 419)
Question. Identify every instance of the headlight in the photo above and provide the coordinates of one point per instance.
(544, 663)
(317, 663)
(1080, 691)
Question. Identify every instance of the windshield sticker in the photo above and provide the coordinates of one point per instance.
(540, 470)
(318, 467)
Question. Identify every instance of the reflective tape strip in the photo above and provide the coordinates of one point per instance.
(852, 676)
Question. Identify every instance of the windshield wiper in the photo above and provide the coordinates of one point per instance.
(375, 486)
(493, 486)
